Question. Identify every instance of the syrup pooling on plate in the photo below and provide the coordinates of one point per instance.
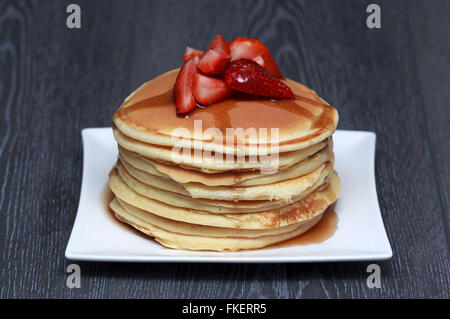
(320, 232)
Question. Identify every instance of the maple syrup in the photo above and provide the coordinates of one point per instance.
(320, 232)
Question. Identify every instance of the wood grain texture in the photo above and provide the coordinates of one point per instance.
(432, 49)
(55, 81)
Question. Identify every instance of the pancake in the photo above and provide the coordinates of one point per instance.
(299, 211)
(148, 116)
(237, 178)
(210, 205)
(199, 230)
(283, 190)
(179, 235)
(208, 163)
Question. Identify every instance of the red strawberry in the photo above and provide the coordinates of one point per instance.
(190, 53)
(184, 100)
(220, 45)
(247, 76)
(208, 90)
(251, 48)
(213, 63)
(216, 57)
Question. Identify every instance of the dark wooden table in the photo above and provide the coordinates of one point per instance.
(55, 81)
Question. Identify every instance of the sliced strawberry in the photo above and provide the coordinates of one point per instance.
(213, 63)
(190, 53)
(208, 90)
(220, 45)
(182, 90)
(247, 76)
(254, 49)
(216, 57)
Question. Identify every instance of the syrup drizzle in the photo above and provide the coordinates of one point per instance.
(156, 113)
(320, 232)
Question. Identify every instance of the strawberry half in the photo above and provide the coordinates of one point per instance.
(254, 49)
(220, 45)
(208, 90)
(184, 99)
(216, 57)
(190, 53)
(247, 76)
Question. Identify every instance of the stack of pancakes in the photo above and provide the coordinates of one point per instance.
(212, 195)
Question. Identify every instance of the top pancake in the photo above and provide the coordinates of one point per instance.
(148, 115)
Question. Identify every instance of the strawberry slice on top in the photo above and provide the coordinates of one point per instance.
(190, 53)
(220, 45)
(183, 96)
(208, 90)
(254, 49)
(216, 57)
(247, 76)
(211, 76)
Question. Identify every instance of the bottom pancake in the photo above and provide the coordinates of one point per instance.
(165, 233)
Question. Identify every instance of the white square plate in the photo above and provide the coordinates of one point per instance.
(360, 234)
